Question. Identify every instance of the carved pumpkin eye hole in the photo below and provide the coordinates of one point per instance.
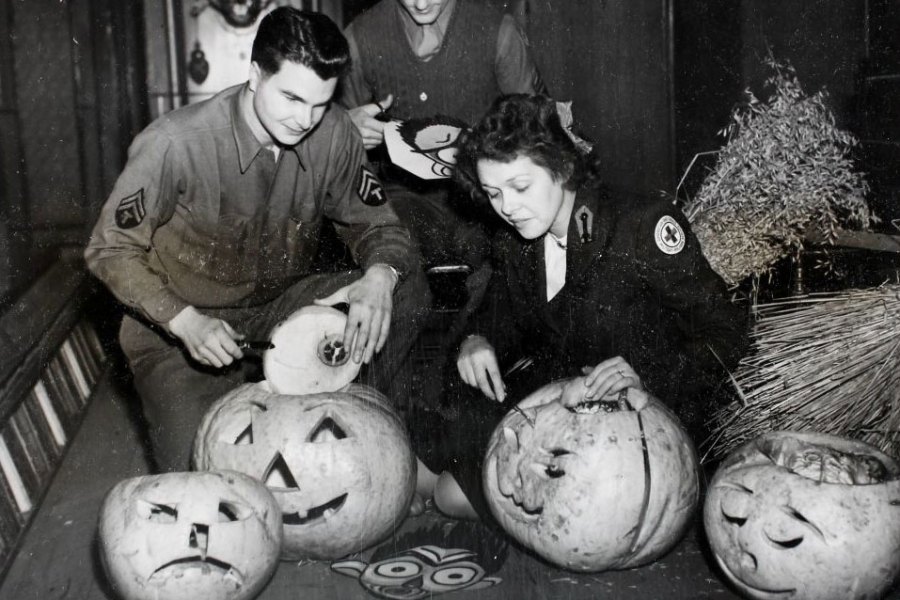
(734, 520)
(230, 512)
(553, 470)
(157, 513)
(328, 430)
(735, 503)
(245, 437)
(796, 514)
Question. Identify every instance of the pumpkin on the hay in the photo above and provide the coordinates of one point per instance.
(592, 488)
(189, 536)
(338, 463)
(806, 516)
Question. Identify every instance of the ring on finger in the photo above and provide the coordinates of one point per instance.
(620, 372)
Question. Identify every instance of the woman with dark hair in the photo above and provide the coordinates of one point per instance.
(606, 285)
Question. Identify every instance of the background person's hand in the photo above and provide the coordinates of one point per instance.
(208, 340)
(370, 128)
(369, 318)
(477, 366)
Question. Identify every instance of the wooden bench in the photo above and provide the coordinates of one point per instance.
(51, 360)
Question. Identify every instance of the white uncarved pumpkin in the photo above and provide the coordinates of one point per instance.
(338, 463)
(806, 516)
(189, 536)
(591, 491)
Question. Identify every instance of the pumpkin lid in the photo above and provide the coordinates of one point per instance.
(309, 355)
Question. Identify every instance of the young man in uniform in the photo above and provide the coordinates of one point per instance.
(210, 231)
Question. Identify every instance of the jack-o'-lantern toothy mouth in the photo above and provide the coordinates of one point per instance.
(757, 592)
(204, 566)
(323, 511)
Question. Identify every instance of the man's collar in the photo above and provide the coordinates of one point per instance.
(414, 31)
(248, 147)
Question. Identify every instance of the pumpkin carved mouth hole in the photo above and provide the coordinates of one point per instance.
(206, 565)
(754, 563)
(279, 475)
(315, 513)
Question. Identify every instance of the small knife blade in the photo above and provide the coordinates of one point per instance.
(255, 345)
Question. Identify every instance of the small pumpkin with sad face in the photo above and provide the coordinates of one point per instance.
(189, 536)
(597, 487)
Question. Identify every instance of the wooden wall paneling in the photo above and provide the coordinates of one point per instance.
(612, 58)
(15, 236)
(42, 45)
(708, 79)
(883, 43)
(84, 40)
(160, 76)
(121, 85)
(823, 39)
(880, 111)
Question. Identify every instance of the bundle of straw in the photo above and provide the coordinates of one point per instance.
(828, 363)
(785, 169)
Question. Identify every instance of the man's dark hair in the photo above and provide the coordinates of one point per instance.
(522, 125)
(304, 37)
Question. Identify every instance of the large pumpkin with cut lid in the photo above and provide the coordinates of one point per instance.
(806, 516)
(338, 463)
(603, 486)
(189, 536)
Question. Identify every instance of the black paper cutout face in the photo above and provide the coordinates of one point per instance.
(435, 137)
(461, 556)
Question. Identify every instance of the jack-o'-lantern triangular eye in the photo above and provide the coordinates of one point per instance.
(245, 437)
(327, 430)
(156, 512)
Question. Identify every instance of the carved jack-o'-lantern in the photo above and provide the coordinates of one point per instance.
(592, 488)
(190, 536)
(338, 463)
(806, 515)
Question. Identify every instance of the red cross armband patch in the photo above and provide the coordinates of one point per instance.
(130, 211)
(369, 188)
(669, 235)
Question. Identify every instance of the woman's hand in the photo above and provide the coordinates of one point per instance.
(606, 379)
(477, 366)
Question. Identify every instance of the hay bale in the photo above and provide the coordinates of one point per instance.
(828, 363)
